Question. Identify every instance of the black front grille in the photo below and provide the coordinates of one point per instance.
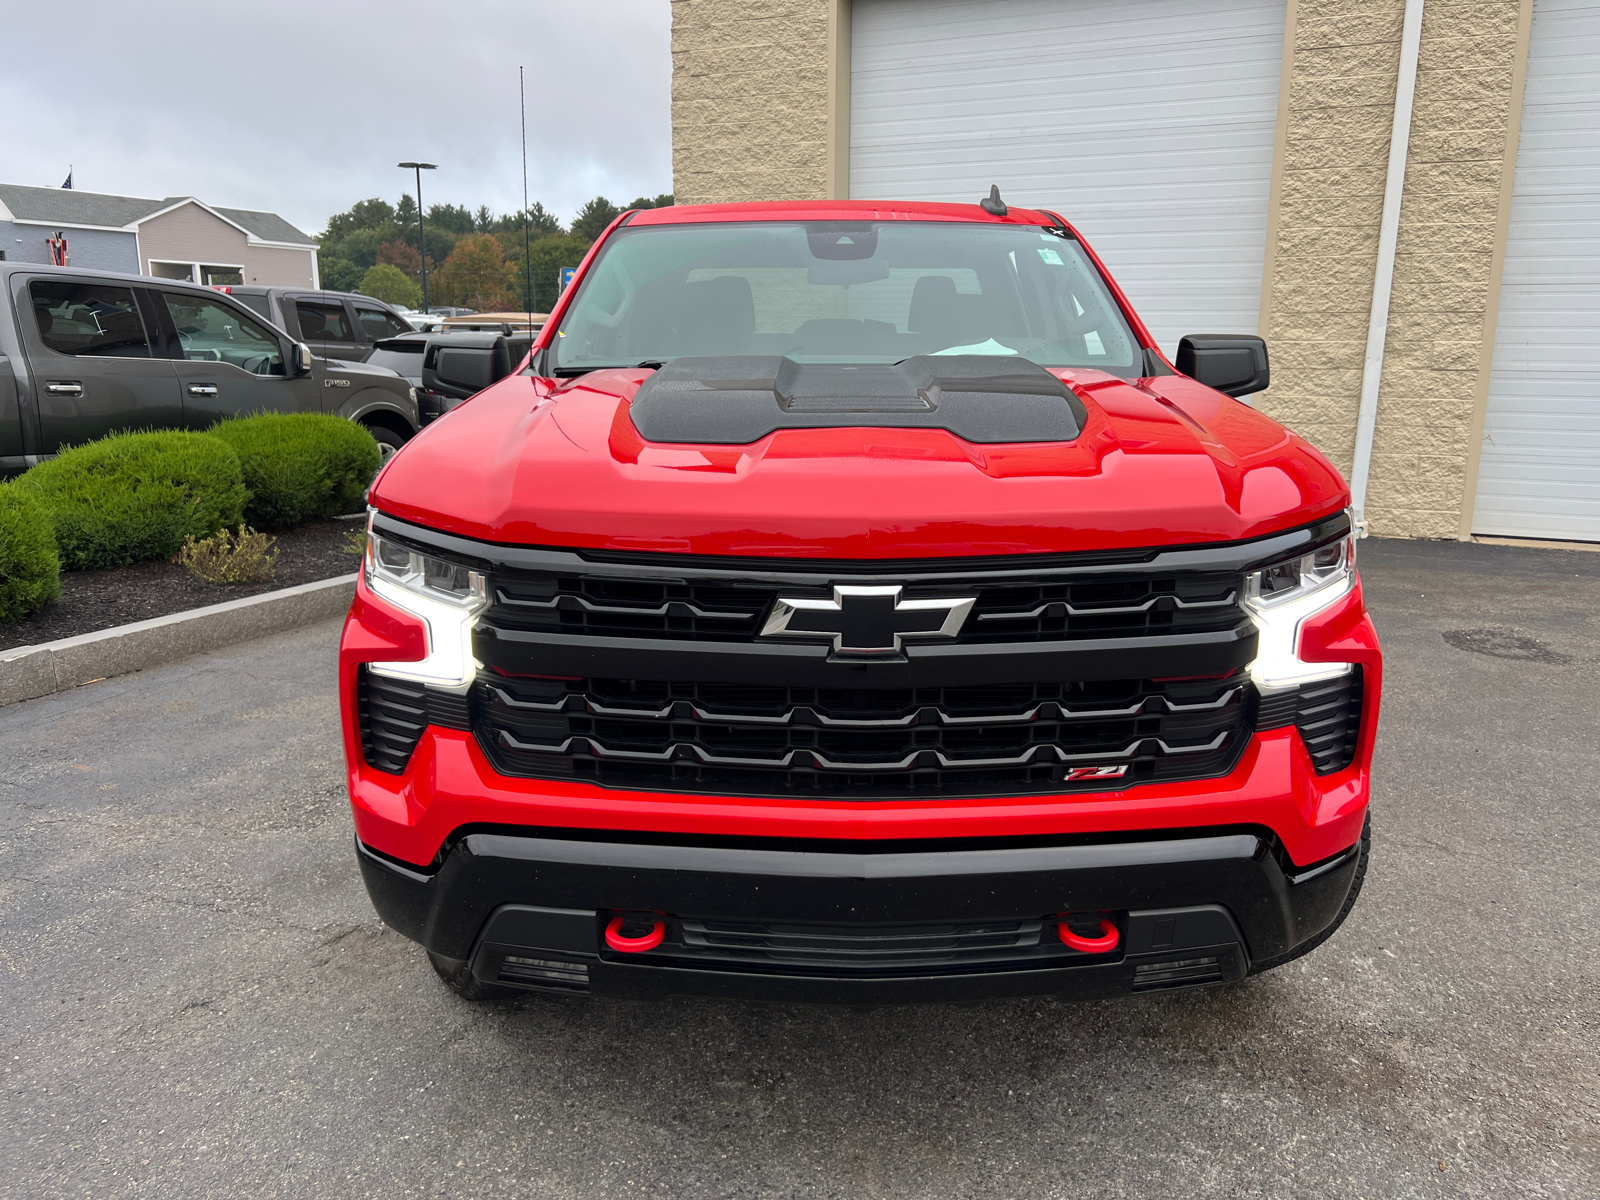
(392, 713)
(878, 950)
(1017, 608)
(863, 742)
(1328, 715)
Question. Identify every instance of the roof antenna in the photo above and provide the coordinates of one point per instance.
(992, 203)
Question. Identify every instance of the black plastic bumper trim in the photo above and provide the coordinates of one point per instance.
(802, 864)
(809, 666)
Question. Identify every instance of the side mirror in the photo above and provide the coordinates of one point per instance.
(1234, 363)
(302, 359)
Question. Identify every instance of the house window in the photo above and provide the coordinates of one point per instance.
(172, 270)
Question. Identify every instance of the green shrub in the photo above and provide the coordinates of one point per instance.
(243, 557)
(300, 466)
(136, 496)
(30, 568)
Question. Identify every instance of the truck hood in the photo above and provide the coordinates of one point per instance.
(1158, 462)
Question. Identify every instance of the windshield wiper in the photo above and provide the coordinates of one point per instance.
(655, 364)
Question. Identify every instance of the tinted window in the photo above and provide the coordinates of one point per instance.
(376, 323)
(256, 304)
(211, 331)
(845, 292)
(89, 319)
(403, 358)
(323, 322)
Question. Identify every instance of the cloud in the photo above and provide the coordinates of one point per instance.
(303, 108)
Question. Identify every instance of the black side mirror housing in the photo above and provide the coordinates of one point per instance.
(1233, 363)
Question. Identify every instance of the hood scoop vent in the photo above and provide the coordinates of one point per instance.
(734, 401)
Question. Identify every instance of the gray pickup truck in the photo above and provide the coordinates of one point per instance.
(339, 325)
(87, 353)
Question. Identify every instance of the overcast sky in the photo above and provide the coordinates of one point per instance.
(302, 108)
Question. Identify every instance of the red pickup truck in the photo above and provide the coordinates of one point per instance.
(848, 602)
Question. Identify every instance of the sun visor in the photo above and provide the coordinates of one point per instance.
(737, 400)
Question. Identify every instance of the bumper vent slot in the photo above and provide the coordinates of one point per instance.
(1179, 973)
(392, 713)
(1328, 715)
(544, 973)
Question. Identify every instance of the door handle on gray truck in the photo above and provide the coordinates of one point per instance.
(64, 389)
(202, 389)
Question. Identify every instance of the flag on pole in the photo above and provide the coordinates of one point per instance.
(68, 183)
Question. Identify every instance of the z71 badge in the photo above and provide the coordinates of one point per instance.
(1076, 773)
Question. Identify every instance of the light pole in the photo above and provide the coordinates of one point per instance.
(422, 234)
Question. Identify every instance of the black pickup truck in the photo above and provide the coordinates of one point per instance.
(87, 353)
(447, 368)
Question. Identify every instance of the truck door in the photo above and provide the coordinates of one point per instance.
(325, 326)
(93, 368)
(374, 324)
(12, 459)
(229, 363)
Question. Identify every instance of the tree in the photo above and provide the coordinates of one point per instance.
(365, 214)
(390, 284)
(662, 201)
(476, 275)
(453, 217)
(404, 256)
(548, 255)
(593, 218)
(338, 274)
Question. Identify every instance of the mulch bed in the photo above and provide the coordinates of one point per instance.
(94, 600)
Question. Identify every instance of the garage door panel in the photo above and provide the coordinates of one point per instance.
(1149, 126)
(1539, 474)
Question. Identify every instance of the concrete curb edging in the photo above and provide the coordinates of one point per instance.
(30, 671)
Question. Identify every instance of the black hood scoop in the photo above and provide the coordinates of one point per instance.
(738, 400)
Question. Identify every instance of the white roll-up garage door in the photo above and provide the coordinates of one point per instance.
(1149, 125)
(1539, 475)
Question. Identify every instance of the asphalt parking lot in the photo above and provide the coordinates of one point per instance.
(197, 1000)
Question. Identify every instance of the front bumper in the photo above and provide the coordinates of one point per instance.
(530, 911)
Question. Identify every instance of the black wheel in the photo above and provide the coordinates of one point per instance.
(459, 979)
(1307, 946)
(388, 442)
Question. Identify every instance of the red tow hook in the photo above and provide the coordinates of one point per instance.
(1107, 940)
(634, 945)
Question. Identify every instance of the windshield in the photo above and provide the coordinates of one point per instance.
(842, 292)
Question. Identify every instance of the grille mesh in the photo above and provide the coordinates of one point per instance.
(862, 743)
(733, 610)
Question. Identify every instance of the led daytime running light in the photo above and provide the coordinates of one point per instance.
(446, 596)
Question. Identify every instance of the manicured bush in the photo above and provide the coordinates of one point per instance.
(300, 466)
(136, 496)
(30, 568)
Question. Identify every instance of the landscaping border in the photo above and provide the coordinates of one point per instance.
(30, 671)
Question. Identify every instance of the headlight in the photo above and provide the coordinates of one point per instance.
(446, 595)
(412, 392)
(1279, 597)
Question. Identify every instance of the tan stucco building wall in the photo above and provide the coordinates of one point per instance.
(761, 112)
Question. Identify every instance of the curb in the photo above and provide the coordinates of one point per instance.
(30, 671)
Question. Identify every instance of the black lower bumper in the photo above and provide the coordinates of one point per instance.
(859, 927)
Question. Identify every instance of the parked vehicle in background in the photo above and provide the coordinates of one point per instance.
(86, 353)
(447, 368)
(497, 322)
(340, 325)
(421, 321)
(447, 310)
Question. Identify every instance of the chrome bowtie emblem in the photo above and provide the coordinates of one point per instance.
(867, 620)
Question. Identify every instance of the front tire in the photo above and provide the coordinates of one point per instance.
(388, 442)
(1310, 944)
(458, 977)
